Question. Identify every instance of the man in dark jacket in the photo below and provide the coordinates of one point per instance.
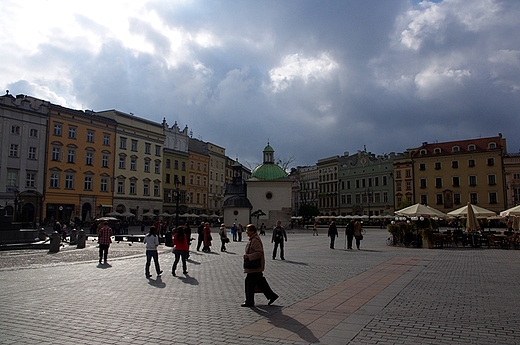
(333, 233)
(279, 235)
(200, 238)
(349, 232)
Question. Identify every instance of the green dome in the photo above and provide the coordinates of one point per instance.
(268, 172)
(268, 148)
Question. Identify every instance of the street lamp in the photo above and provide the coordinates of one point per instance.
(16, 204)
(177, 199)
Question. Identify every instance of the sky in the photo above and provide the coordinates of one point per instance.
(312, 78)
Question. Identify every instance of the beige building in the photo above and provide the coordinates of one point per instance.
(512, 179)
(217, 178)
(448, 175)
(138, 164)
(403, 181)
(328, 195)
(198, 176)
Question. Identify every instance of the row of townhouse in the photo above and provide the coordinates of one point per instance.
(443, 175)
(58, 163)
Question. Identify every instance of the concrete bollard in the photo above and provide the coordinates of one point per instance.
(82, 238)
(73, 236)
(55, 242)
(42, 236)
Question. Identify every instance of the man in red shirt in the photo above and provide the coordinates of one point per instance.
(104, 240)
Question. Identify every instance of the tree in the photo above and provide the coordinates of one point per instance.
(308, 211)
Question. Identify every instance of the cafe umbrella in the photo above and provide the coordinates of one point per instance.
(420, 210)
(513, 211)
(480, 212)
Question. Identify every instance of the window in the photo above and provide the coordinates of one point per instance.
(423, 152)
(376, 181)
(191, 179)
(12, 178)
(104, 161)
(55, 153)
(33, 133)
(198, 166)
(30, 181)
(122, 143)
(15, 129)
(472, 180)
(156, 190)
(204, 182)
(88, 183)
(147, 148)
(438, 198)
(408, 185)
(456, 181)
(422, 166)
(473, 198)
(455, 149)
(122, 160)
(134, 145)
(71, 156)
(422, 183)
(492, 146)
(437, 150)
(90, 136)
(349, 198)
(69, 181)
(146, 189)
(146, 166)
(32, 153)
(183, 166)
(13, 150)
(438, 182)
(89, 158)
(55, 180)
(516, 176)
(157, 167)
(492, 197)
(120, 187)
(57, 129)
(103, 187)
(176, 164)
(491, 161)
(472, 147)
(455, 164)
(157, 150)
(132, 188)
(385, 197)
(168, 178)
(384, 181)
(424, 199)
(205, 167)
(456, 199)
(471, 163)
(398, 185)
(106, 139)
(437, 165)
(492, 180)
(408, 173)
(72, 132)
(133, 164)
(168, 163)
(198, 180)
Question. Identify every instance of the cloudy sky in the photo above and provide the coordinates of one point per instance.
(315, 78)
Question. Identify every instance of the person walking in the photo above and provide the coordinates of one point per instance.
(349, 233)
(240, 230)
(279, 235)
(315, 229)
(206, 232)
(262, 229)
(152, 242)
(200, 232)
(234, 232)
(180, 249)
(357, 233)
(223, 237)
(104, 240)
(332, 233)
(254, 264)
(187, 232)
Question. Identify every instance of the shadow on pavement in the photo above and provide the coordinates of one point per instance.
(158, 283)
(189, 280)
(104, 266)
(279, 320)
(295, 262)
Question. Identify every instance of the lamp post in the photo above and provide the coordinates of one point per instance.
(16, 204)
(177, 199)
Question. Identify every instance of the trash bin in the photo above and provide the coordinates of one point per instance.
(82, 238)
(73, 236)
(168, 238)
(55, 242)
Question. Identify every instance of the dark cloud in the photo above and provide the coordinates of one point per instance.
(313, 78)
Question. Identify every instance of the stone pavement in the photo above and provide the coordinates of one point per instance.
(378, 295)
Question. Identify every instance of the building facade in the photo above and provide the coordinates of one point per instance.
(198, 176)
(217, 178)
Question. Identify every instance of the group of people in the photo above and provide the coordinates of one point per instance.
(352, 231)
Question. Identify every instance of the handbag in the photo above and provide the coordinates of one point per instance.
(252, 263)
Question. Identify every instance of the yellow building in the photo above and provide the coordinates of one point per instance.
(217, 178)
(198, 175)
(79, 164)
(448, 175)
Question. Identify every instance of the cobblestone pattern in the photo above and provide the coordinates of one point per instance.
(460, 296)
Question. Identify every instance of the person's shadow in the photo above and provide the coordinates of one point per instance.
(104, 266)
(186, 279)
(279, 320)
(158, 283)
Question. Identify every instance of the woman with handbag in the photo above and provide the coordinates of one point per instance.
(223, 237)
(254, 263)
(357, 233)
